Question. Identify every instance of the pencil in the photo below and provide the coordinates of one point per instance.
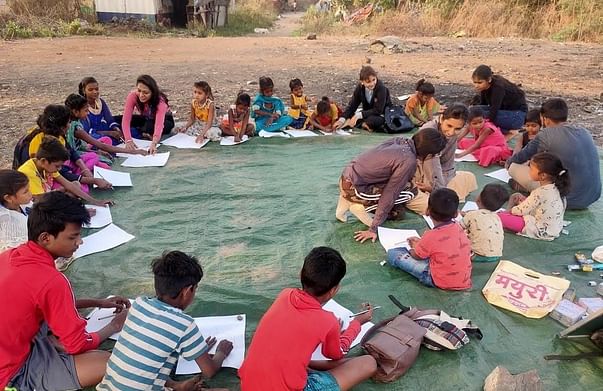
(106, 317)
(103, 178)
(365, 311)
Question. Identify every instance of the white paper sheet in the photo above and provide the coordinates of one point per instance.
(103, 240)
(157, 160)
(343, 314)
(339, 132)
(501, 175)
(265, 134)
(300, 133)
(101, 218)
(229, 140)
(466, 158)
(140, 144)
(404, 97)
(184, 141)
(392, 238)
(429, 221)
(99, 318)
(220, 327)
(117, 178)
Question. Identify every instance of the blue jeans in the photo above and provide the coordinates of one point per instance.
(400, 258)
(506, 119)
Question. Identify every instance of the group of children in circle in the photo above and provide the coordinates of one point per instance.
(71, 139)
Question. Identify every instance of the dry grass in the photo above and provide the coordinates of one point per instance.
(576, 20)
(59, 9)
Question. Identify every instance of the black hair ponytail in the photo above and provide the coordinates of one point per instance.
(551, 165)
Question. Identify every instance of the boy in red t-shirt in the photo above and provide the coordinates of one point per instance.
(442, 257)
(38, 299)
(293, 327)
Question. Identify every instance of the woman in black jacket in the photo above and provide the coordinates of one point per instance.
(374, 97)
(503, 101)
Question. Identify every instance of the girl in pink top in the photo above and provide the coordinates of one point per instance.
(153, 118)
(488, 144)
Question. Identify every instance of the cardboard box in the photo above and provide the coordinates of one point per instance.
(567, 313)
(591, 304)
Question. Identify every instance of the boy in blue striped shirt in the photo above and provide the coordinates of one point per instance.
(157, 332)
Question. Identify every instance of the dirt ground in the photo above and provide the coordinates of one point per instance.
(37, 72)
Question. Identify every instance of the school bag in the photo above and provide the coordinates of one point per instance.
(396, 120)
(20, 153)
(443, 332)
(395, 345)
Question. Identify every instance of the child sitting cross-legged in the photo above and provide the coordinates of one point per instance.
(268, 110)
(442, 257)
(540, 215)
(483, 226)
(299, 105)
(279, 356)
(157, 332)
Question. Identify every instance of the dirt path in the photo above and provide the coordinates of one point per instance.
(286, 24)
(37, 72)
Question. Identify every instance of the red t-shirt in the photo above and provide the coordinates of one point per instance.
(285, 339)
(33, 291)
(449, 253)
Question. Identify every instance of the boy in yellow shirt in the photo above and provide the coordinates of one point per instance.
(43, 170)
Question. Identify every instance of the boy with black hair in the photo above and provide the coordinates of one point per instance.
(157, 332)
(38, 300)
(442, 257)
(483, 226)
(43, 170)
(572, 144)
(280, 352)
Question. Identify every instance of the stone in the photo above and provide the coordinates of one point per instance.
(500, 379)
(387, 45)
(311, 37)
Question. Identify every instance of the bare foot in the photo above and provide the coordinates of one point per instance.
(366, 127)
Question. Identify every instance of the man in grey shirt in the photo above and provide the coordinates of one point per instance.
(380, 178)
(573, 145)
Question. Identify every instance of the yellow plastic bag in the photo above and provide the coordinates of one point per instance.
(524, 291)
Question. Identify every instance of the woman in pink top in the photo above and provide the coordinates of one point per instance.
(488, 145)
(153, 117)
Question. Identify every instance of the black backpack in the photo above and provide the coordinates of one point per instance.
(396, 120)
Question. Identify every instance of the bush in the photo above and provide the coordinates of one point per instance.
(318, 22)
(580, 20)
(247, 16)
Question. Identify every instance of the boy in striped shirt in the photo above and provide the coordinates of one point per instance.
(157, 332)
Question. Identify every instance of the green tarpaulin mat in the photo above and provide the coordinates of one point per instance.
(251, 213)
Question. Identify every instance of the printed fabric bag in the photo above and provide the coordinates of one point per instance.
(443, 332)
(395, 345)
(524, 291)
